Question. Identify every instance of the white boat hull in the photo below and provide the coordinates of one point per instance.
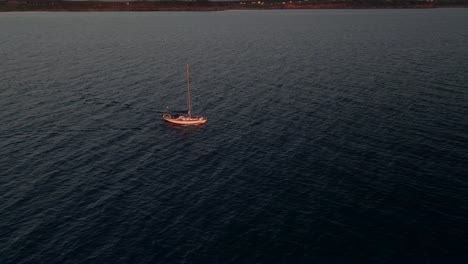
(185, 120)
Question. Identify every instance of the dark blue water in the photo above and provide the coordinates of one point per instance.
(333, 136)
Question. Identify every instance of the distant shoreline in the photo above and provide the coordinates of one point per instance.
(89, 6)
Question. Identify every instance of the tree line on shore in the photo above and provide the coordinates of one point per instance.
(206, 5)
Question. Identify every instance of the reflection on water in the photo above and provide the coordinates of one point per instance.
(186, 128)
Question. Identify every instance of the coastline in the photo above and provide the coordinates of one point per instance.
(93, 6)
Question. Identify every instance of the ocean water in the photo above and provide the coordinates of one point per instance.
(333, 136)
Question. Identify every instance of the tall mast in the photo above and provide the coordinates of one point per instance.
(189, 101)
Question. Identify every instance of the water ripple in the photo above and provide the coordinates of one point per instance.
(333, 135)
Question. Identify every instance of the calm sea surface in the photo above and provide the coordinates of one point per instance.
(333, 136)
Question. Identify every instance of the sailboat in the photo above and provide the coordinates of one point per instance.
(188, 118)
